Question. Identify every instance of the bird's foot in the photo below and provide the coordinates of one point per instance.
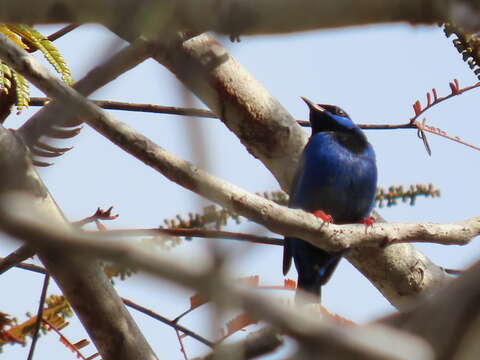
(368, 221)
(323, 215)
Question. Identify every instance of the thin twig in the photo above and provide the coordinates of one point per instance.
(63, 31)
(201, 233)
(439, 132)
(168, 322)
(174, 110)
(31, 267)
(182, 347)
(38, 321)
(99, 214)
(434, 99)
(127, 106)
(19, 255)
(456, 90)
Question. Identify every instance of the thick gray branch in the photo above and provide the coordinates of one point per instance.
(316, 333)
(81, 279)
(450, 321)
(262, 124)
(238, 17)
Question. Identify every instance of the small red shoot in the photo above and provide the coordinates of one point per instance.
(417, 107)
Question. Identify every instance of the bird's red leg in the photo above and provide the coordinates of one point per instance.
(368, 221)
(323, 215)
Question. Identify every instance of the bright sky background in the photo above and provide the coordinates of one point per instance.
(375, 73)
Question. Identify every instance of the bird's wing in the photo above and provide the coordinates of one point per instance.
(287, 252)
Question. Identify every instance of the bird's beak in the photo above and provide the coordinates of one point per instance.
(312, 105)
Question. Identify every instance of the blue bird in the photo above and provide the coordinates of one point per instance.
(336, 179)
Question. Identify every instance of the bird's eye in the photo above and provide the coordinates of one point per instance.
(340, 112)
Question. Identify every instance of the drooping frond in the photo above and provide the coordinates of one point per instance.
(56, 310)
(5, 76)
(21, 90)
(14, 88)
(6, 30)
(31, 40)
(36, 40)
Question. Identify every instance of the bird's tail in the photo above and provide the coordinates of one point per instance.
(308, 292)
(312, 275)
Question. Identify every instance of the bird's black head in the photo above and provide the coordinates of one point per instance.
(331, 118)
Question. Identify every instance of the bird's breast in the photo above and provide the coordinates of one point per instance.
(336, 180)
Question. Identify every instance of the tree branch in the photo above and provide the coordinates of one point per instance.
(38, 320)
(290, 222)
(172, 323)
(127, 106)
(260, 122)
(235, 17)
(82, 281)
(205, 67)
(331, 237)
(450, 320)
(62, 32)
(259, 343)
(400, 260)
(19, 255)
(168, 322)
(316, 333)
(202, 113)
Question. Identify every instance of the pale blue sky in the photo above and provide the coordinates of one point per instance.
(375, 73)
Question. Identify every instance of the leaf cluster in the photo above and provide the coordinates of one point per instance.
(31, 40)
(394, 193)
(467, 44)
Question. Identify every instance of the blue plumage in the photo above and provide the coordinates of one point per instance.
(337, 174)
